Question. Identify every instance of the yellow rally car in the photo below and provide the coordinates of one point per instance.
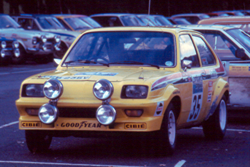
(127, 81)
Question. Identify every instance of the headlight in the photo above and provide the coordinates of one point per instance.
(44, 39)
(48, 113)
(106, 114)
(52, 89)
(135, 91)
(3, 44)
(57, 38)
(103, 89)
(33, 90)
(34, 40)
(15, 44)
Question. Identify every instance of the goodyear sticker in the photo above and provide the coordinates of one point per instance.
(159, 108)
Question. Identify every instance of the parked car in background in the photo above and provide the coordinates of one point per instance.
(157, 20)
(35, 45)
(179, 21)
(193, 18)
(71, 22)
(232, 46)
(134, 82)
(9, 48)
(242, 22)
(117, 19)
(217, 14)
(230, 12)
(48, 23)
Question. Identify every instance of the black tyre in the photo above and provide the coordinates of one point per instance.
(167, 137)
(21, 58)
(215, 126)
(37, 141)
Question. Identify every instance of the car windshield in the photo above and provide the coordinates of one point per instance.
(91, 22)
(162, 20)
(77, 23)
(130, 21)
(8, 22)
(242, 37)
(134, 48)
(50, 23)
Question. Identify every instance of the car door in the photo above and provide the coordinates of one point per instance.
(195, 104)
(209, 74)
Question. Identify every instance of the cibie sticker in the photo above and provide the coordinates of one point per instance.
(159, 108)
(196, 98)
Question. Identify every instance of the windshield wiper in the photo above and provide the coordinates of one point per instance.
(86, 62)
(135, 62)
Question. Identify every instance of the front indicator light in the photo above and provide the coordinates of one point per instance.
(134, 112)
(32, 111)
(48, 113)
(106, 114)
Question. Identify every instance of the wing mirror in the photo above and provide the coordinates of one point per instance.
(186, 64)
(240, 53)
(56, 62)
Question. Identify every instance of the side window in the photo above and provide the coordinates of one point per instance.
(25, 23)
(187, 50)
(64, 24)
(222, 46)
(207, 57)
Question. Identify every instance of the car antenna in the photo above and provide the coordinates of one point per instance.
(149, 5)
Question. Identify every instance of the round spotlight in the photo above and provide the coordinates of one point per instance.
(48, 113)
(57, 38)
(52, 89)
(15, 44)
(103, 89)
(2, 53)
(17, 52)
(106, 114)
(3, 44)
(44, 39)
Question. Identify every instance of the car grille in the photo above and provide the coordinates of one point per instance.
(77, 112)
(52, 40)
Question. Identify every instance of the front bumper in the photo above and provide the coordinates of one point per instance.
(73, 122)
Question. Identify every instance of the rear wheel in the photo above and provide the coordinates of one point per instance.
(37, 141)
(168, 132)
(215, 126)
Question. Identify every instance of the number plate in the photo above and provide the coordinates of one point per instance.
(31, 124)
(135, 125)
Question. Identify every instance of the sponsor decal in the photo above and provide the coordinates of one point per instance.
(97, 73)
(31, 124)
(159, 108)
(64, 78)
(81, 125)
(162, 82)
(135, 125)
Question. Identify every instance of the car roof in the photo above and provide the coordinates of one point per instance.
(189, 14)
(171, 29)
(34, 15)
(112, 14)
(69, 15)
(213, 20)
(208, 27)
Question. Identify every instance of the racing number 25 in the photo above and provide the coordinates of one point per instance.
(196, 106)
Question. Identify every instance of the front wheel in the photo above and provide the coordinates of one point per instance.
(215, 126)
(168, 131)
(37, 141)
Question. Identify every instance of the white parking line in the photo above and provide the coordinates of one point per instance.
(62, 164)
(9, 124)
(180, 163)
(233, 130)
